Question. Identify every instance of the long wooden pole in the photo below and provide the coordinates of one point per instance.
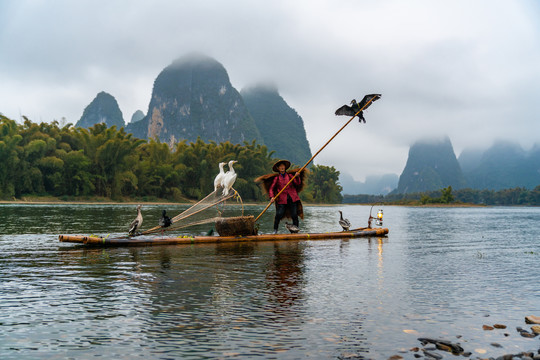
(313, 157)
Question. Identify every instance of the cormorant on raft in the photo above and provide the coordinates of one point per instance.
(164, 220)
(292, 228)
(345, 223)
(136, 224)
(356, 107)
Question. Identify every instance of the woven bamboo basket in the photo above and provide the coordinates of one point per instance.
(236, 226)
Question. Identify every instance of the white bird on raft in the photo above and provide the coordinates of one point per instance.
(229, 178)
(136, 224)
(345, 223)
(218, 181)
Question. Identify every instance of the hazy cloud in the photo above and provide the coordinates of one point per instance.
(464, 69)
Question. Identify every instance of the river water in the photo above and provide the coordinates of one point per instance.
(440, 273)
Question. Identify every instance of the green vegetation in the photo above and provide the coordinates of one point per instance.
(507, 197)
(323, 185)
(105, 163)
(445, 198)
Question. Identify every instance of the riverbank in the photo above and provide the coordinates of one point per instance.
(89, 201)
(130, 201)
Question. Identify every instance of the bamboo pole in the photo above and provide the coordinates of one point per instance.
(313, 157)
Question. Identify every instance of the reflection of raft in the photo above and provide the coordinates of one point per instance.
(159, 240)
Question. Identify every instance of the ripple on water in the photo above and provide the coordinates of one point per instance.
(440, 273)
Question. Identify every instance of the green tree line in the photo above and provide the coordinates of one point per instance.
(506, 197)
(68, 162)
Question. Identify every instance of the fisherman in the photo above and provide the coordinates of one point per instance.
(288, 199)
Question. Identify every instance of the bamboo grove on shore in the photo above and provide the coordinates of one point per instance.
(70, 163)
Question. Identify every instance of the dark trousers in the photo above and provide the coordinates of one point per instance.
(280, 212)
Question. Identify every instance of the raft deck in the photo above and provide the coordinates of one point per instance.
(184, 239)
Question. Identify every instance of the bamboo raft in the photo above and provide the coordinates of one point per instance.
(184, 239)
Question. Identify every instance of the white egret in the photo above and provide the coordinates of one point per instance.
(229, 178)
(218, 181)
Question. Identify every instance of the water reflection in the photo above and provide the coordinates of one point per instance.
(349, 298)
(284, 276)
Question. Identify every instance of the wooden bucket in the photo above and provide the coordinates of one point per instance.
(236, 226)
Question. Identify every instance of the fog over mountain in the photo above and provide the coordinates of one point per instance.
(193, 98)
(504, 165)
(464, 69)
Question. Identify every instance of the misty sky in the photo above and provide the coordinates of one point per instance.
(466, 69)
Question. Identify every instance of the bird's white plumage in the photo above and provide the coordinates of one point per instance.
(229, 178)
(218, 181)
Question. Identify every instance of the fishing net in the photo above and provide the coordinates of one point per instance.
(206, 211)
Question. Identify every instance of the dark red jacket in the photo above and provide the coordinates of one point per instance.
(278, 184)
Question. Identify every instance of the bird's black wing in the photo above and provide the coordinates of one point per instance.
(165, 221)
(366, 99)
(133, 226)
(345, 110)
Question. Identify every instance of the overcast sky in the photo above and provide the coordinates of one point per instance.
(466, 69)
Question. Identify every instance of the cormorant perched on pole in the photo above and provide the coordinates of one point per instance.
(355, 107)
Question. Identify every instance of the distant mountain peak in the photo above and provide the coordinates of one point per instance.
(103, 109)
(504, 165)
(193, 97)
(281, 128)
(431, 165)
(137, 116)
